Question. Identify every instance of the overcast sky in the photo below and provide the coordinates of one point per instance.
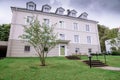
(107, 12)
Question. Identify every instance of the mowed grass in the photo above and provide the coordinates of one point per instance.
(58, 68)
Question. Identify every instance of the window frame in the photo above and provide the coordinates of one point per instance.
(76, 39)
(62, 36)
(61, 24)
(87, 28)
(75, 25)
(48, 21)
(89, 40)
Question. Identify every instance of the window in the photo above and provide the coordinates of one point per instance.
(88, 39)
(29, 19)
(76, 38)
(27, 48)
(60, 12)
(87, 28)
(46, 9)
(73, 14)
(61, 24)
(46, 21)
(75, 26)
(31, 7)
(76, 50)
(62, 36)
(89, 50)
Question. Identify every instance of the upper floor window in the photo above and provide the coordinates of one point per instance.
(46, 9)
(62, 36)
(29, 19)
(60, 12)
(46, 21)
(75, 26)
(76, 38)
(87, 28)
(31, 5)
(73, 14)
(61, 24)
(88, 39)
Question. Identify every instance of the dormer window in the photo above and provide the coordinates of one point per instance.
(60, 11)
(83, 15)
(31, 5)
(72, 13)
(46, 8)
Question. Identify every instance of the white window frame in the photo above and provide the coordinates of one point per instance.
(87, 28)
(73, 14)
(60, 12)
(46, 9)
(75, 25)
(31, 7)
(61, 24)
(47, 21)
(76, 38)
(29, 20)
(89, 39)
(62, 36)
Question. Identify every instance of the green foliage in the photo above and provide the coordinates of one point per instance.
(116, 52)
(4, 32)
(105, 33)
(41, 37)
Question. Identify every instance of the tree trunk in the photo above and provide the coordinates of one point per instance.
(42, 59)
(43, 62)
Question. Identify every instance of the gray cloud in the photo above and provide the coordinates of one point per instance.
(97, 5)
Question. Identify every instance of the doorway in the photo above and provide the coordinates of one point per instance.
(62, 51)
(3, 51)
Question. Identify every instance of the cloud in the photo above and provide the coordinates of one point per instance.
(97, 5)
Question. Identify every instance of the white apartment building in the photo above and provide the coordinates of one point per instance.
(75, 33)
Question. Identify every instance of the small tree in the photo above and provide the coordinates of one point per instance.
(41, 37)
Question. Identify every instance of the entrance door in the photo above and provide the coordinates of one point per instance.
(62, 50)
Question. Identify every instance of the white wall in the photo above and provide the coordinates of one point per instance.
(19, 19)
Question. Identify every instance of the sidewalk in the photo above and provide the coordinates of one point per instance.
(110, 68)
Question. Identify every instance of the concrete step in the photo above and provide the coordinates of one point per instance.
(95, 63)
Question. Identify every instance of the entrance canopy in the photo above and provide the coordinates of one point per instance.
(63, 41)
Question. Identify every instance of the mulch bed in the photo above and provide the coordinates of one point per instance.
(73, 57)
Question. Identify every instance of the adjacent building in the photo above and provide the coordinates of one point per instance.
(74, 33)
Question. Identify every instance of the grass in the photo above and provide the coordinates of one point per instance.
(58, 68)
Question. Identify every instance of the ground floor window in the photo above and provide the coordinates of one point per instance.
(27, 48)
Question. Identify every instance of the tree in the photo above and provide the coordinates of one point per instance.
(103, 30)
(115, 42)
(4, 32)
(41, 37)
(105, 33)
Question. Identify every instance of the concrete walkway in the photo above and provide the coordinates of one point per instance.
(110, 68)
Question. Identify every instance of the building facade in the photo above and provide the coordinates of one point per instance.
(75, 34)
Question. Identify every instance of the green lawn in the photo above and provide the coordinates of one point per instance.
(58, 68)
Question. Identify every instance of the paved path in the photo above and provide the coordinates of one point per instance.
(110, 68)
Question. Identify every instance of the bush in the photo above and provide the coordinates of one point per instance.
(115, 52)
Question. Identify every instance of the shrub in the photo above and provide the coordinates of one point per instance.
(115, 52)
